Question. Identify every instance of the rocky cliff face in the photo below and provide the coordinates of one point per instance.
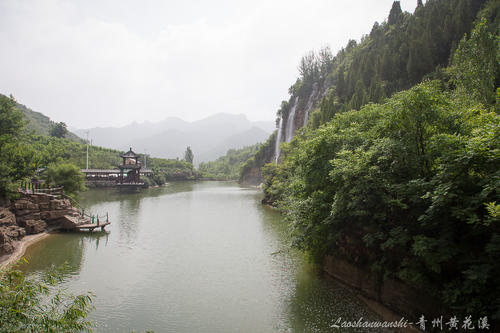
(297, 113)
(31, 214)
(252, 177)
(294, 116)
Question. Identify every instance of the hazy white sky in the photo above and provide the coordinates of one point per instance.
(110, 62)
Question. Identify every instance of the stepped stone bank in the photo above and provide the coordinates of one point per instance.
(34, 214)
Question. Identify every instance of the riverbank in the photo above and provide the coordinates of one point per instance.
(29, 219)
(20, 249)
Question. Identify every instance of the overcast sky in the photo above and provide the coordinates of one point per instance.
(111, 62)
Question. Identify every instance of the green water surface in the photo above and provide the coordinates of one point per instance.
(194, 257)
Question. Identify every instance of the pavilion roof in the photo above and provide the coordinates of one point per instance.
(130, 153)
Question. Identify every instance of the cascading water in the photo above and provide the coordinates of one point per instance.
(310, 102)
(290, 121)
(277, 150)
(288, 130)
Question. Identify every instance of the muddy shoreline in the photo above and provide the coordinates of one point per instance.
(7, 260)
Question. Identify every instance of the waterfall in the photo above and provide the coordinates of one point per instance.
(290, 121)
(288, 131)
(310, 102)
(277, 150)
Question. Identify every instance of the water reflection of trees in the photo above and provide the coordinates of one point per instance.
(316, 300)
(101, 195)
(319, 300)
(64, 249)
(124, 207)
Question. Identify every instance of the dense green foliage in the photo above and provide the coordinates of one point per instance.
(15, 156)
(53, 150)
(30, 305)
(395, 55)
(66, 175)
(264, 153)
(59, 130)
(476, 65)
(167, 169)
(59, 150)
(409, 187)
(228, 167)
(39, 124)
(22, 153)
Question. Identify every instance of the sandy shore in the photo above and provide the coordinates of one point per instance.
(21, 246)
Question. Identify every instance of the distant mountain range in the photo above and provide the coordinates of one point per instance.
(209, 138)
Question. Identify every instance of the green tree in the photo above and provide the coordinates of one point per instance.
(58, 130)
(407, 189)
(68, 176)
(360, 96)
(395, 14)
(188, 155)
(29, 305)
(11, 119)
(15, 157)
(475, 66)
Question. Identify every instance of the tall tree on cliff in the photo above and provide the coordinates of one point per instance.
(395, 14)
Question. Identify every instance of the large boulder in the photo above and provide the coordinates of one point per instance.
(14, 232)
(53, 215)
(40, 198)
(58, 204)
(35, 226)
(44, 206)
(9, 234)
(30, 216)
(7, 217)
(24, 205)
(6, 244)
(69, 222)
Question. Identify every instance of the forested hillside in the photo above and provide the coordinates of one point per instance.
(39, 124)
(398, 170)
(22, 152)
(228, 167)
(395, 55)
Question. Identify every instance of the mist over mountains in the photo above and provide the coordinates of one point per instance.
(209, 138)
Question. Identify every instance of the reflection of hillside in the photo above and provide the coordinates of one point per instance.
(316, 300)
(62, 248)
(319, 300)
(102, 195)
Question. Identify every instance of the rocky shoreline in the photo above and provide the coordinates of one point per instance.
(20, 247)
(30, 218)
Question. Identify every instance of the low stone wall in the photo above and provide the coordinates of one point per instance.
(31, 214)
(394, 294)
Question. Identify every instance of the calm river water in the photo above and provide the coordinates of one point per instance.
(194, 257)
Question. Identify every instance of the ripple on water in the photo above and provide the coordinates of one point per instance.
(197, 257)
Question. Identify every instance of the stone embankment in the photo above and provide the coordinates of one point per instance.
(34, 214)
